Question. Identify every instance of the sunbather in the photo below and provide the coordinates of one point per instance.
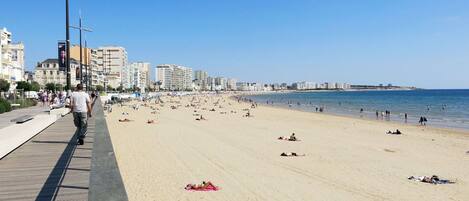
(205, 186)
(151, 121)
(291, 138)
(200, 118)
(432, 180)
(291, 154)
(397, 132)
(124, 120)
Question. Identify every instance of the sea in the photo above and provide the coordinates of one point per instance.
(445, 108)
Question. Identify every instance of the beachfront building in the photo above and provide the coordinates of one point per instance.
(220, 83)
(48, 72)
(174, 77)
(200, 80)
(231, 84)
(304, 85)
(11, 59)
(112, 62)
(139, 75)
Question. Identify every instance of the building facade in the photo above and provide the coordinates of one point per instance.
(48, 72)
(113, 63)
(174, 77)
(140, 75)
(11, 59)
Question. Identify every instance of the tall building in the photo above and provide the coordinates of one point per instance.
(174, 77)
(140, 75)
(231, 84)
(200, 79)
(11, 58)
(113, 62)
(48, 72)
(164, 75)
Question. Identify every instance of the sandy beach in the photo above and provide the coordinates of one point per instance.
(345, 158)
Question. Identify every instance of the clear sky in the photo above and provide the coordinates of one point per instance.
(405, 42)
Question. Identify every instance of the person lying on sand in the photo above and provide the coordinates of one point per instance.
(212, 110)
(432, 180)
(205, 186)
(125, 113)
(200, 118)
(124, 120)
(151, 121)
(291, 138)
(248, 114)
(291, 154)
(397, 132)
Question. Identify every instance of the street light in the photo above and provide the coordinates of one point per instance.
(81, 28)
(67, 40)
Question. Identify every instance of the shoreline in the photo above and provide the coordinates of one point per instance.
(367, 115)
(445, 129)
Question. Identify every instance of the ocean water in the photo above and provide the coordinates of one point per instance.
(442, 108)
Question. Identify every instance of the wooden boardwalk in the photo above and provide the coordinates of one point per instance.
(50, 166)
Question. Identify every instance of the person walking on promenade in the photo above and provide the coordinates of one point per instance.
(81, 109)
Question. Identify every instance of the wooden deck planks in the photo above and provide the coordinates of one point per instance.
(50, 166)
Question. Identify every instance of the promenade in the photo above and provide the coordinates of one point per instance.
(51, 166)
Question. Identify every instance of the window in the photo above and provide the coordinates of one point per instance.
(45, 72)
(51, 73)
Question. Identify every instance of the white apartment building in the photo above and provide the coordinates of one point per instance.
(11, 58)
(140, 75)
(231, 84)
(200, 80)
(304, 85)
(112, 61)
(174, 77)
(48, 72)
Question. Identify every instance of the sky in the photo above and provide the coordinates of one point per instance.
(418, 43)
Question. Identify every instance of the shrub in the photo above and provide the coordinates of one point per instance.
(5, 106)
(4, 85)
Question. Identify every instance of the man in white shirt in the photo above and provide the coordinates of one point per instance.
(81, 108)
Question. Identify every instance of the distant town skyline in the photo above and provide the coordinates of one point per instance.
(412, 43)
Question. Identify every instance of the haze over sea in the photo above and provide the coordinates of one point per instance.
(448, 108)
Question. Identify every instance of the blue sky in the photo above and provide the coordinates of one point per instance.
(406, 42)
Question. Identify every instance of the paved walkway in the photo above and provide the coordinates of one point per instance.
(50, 166)
(7, 116)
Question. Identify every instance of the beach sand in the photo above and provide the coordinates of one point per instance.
(346, 158)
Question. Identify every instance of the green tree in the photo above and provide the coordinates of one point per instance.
(120, 88)
(50, 86)
(25, 86)
(59, 87)
(99, 88)
(109, 88)
(35, 86)
(4, 85)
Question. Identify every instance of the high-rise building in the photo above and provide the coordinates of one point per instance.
(140, 75)
(231, 84)
(174, 77)
(11, 58)
(112, 61)
(200, 79)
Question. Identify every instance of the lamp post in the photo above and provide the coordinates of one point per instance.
(67, 40)
(81, 28)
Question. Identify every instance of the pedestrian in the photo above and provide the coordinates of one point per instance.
(405, 117)
(81, 109)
